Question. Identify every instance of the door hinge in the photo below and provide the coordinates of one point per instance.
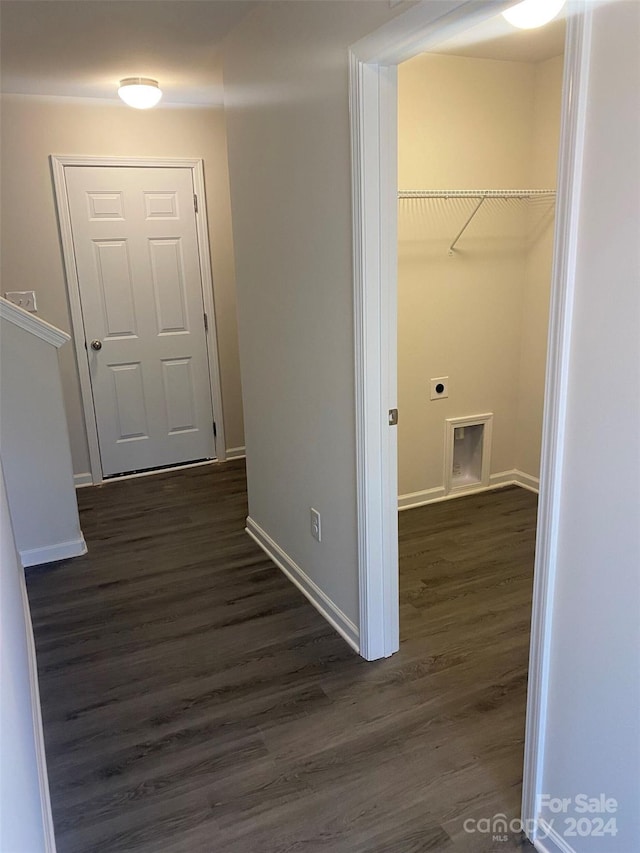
(393, 417)
(206, 322)
(215, 430)
(195, 202)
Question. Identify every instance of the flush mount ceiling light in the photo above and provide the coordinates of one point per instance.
(533, 13)
(142, 93)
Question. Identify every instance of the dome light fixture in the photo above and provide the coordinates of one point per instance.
(141, 93)
(533, 13)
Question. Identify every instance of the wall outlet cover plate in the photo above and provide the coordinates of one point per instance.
(316, 525)
(23, 299)
(440, 388)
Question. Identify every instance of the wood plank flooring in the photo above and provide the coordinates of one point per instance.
(193, 700)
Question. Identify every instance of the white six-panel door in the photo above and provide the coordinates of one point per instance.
(136, 252)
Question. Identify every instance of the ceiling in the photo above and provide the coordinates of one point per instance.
(82, 48)
(497, 39)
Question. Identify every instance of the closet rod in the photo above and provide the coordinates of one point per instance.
(473, 193)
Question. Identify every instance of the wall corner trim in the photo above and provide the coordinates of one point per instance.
(552, 842)
(30, 323)
(322, 603)
(81, 480)
(526, 481)
(38, 732)
(236, 453)
(52, 553)
(570, 162)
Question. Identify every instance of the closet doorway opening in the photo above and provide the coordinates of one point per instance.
(478, 141)
(374, 102)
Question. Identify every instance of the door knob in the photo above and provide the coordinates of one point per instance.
(96, 345)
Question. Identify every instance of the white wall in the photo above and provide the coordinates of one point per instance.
(593, 730)
(25, 815)
(481, 316)
(32, 129)
(287, 84)
(35, 449)
(287, 107)
(537, 279)
(461, 120)
(462, 123)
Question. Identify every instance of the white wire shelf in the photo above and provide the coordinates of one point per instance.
(473, 193)
(480, 195)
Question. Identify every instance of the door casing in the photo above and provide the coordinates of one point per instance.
(373, 107)
(58, 164)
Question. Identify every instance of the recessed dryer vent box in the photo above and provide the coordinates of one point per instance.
(467, 453)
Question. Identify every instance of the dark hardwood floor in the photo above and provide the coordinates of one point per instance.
(193, 700)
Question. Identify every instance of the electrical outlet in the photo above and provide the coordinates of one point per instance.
(316, 525)
(440, 388)
(23, 298)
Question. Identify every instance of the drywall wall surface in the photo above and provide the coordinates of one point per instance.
(464, 120)
(35, 448)
(32, 129)
(25, 816)
(463, 124)
(286, 79)
(537, 279)
(546, 122)
(467, 329)
(592, 742)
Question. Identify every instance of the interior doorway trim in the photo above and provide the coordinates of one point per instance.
(373, 108)
(58, 164)
(373, 103)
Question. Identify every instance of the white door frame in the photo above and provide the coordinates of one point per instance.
(58, 163)
(373, 100)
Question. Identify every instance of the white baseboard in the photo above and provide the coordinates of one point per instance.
(51, 553)
(38, 734)
(236, 453)
(496, 481)
(323, 604)
(81, 480)
(502, 478)
(551, 842)
(526, 481)
(427, 496)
